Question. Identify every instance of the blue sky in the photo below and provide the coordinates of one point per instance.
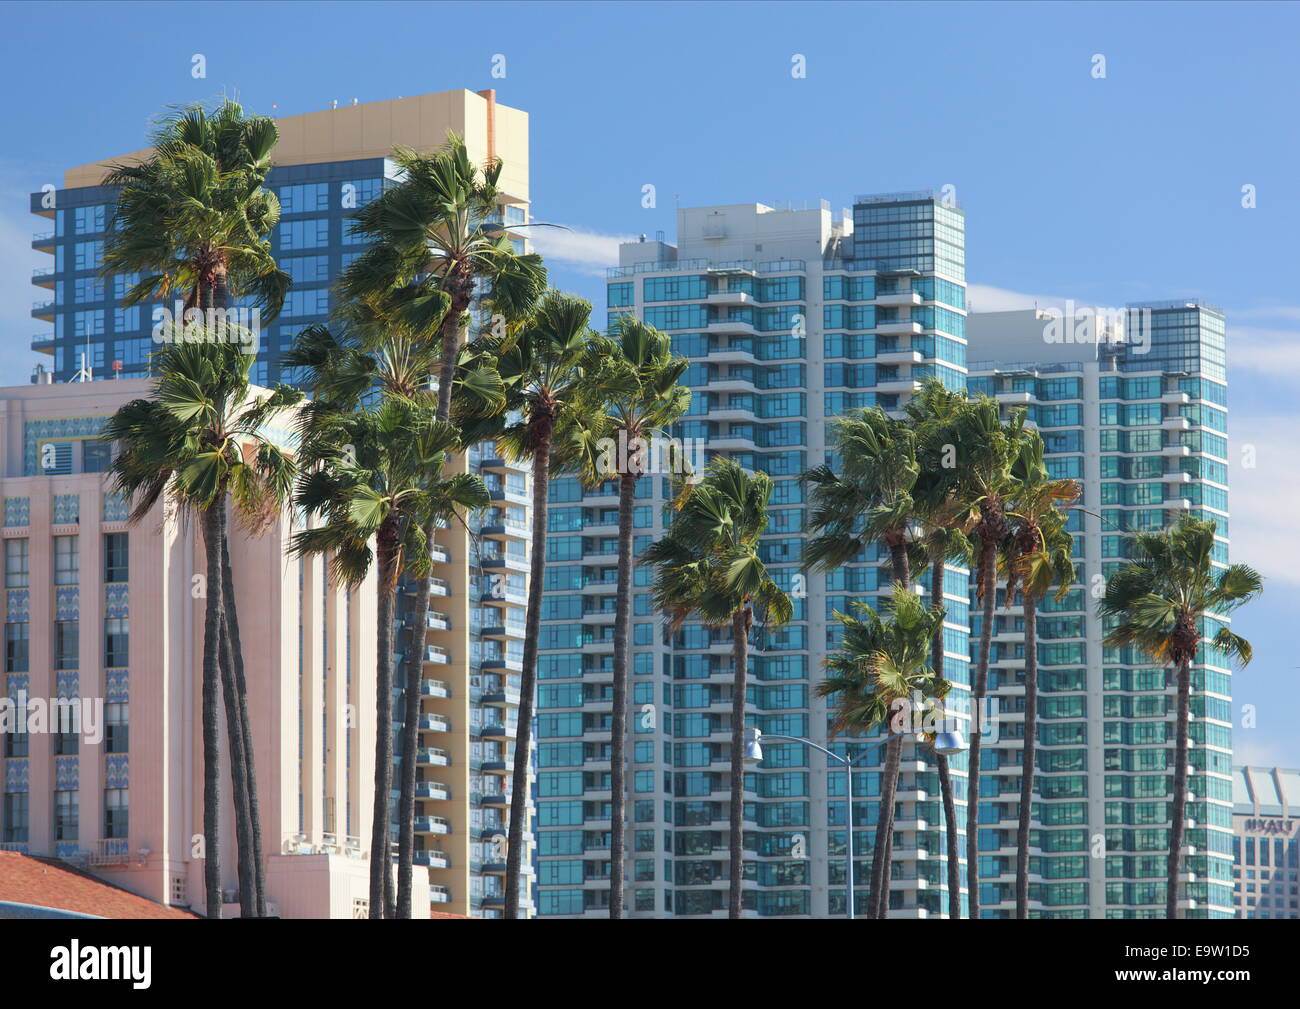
(1105, 190)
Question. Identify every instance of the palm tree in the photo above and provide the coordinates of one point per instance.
(1159, 602)
(193, 219)
(985, 449)
(871, 500)
(944, 540)
(708, 565)
(541, 364)
(432, 241)
(373, 474)
(197, 440)
(634, 376)
(1037, 554)
(881, 664)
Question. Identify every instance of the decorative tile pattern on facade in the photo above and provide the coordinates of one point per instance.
(68, 684)
(67, 773)
(117, 507)
(117, 771)
(67, 849)
(16, 774)
(117, 601)
(18, 606)
(117, 686)
(67, 605)
(37, 431)
(19, 683)
(67, 509)
(18, 511)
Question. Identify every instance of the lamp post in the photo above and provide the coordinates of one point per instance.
(945, 743)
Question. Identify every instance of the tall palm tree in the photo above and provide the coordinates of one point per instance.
(708, 565)
(197, 440)
(634, 376)
(372, 474)
(944, 540)
(1159, 602)
(870, 500)
(985, 449)
(433, 240)
(1036, 556)
(882, 664)
(541, 364)
(193, 220)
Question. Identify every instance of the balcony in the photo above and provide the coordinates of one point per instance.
(897, 327)
(900, 357)
(439, 587)
(1175, 450)
(43, 310)
(43, 277)
(434, 688)
(431, 859)
(1015, 398)
(509, 495)
(731, 298)
(432, 825)
(432, 790)
(899, 298)
(1176, 477)
(428, 756)
(434, 723)
(43, 240)
(732, 355)
(436, 621)
(436, 653)
(440, 555)
(731, 326)
(503, 529)
(1176, 398)
(1176, 424)
(517, 563)
(109, 851)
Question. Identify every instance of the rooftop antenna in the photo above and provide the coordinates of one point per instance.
(334, 103)
(85, 373)
(354, 101)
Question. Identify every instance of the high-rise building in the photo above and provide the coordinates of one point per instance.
(1266, 842)
(1131, 402)
(100, 710)
(327, 165)
(789, 315)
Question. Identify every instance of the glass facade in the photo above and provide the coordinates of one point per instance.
(777, 346)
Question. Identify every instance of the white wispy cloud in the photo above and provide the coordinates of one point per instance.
(985, 298)
(1263, 495)
(584, 251)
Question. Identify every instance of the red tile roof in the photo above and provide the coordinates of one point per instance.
(49, 882)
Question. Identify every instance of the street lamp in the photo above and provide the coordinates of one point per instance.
(946, 743)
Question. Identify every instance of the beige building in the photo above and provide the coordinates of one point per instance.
(110, 615)
(327, 164)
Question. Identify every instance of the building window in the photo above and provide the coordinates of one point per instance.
(117, 730)
(17, 573)
(95, 456)
(115, 813)
(65, 816)
(116, 561)
(67, 560)
(17, 811)
(117, 634)
(17, 647)
(67, 644)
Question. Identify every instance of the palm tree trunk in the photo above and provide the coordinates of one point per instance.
(462, 287)
(415, 664)
(988, 584)
(241, 695)
(883, 864)
(883, 853)
(410, 743)
(1027, 760)
(381, 871)
(528, 676)
(214, 523)
(238, 772)
(1180, 790)
(622, 659)
(740, 655)
(941, 761)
